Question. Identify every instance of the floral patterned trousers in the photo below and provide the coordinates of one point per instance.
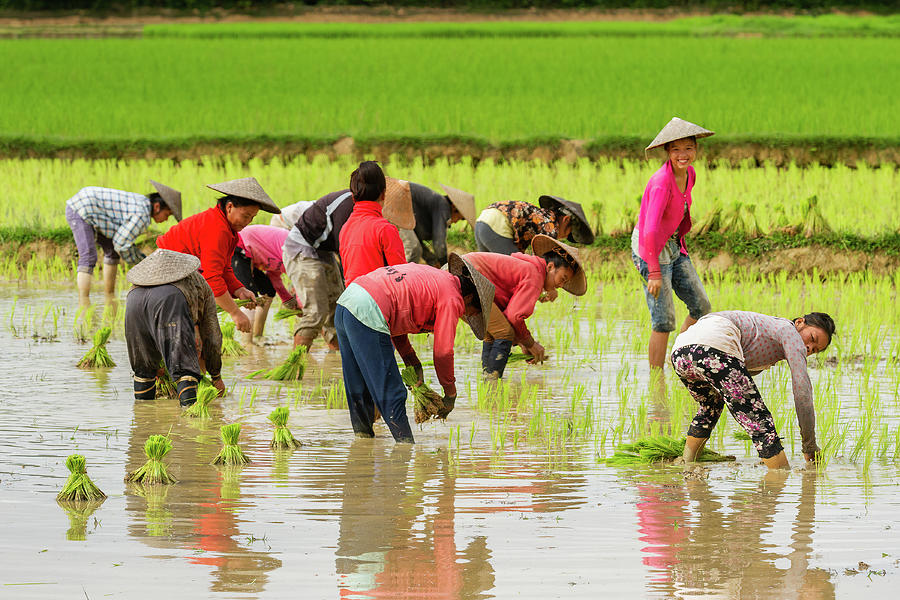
(716, 379)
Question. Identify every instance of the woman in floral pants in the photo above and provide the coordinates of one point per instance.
(716, 359)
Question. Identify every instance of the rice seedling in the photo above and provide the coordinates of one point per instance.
(282, 439)
(206, 393)
(427, 404)
(98, 356)
(231, 453)
(230, 346)
(240, 302)
(656, 449)
(287, 313)
(291, 369)
(813, 221)
(78, 486)
(165, 387)
(153, 471)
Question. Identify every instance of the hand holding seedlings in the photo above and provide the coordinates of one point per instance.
(220, 387)
(538, 354)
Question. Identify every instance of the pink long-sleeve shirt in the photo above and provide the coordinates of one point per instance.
(417, 298)
(665, 209)
(518, 282)
(263, 244)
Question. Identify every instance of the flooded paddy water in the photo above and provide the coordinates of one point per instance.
(508, 498)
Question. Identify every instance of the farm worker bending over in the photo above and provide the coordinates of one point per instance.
(212, 236)
(116, 218)
(520, 280)
(170, 314)
(507, 227)
(434, 213)
(716, 358)
(368, 240)
(257, 263)
(657, 243)
(374, 315)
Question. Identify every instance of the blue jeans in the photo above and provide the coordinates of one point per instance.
(371, 377)
(678, 276)
(489, 240)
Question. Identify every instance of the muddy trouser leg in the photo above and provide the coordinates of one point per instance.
(372, 361)
(501, 332)
(489, 240)
(359, 400)
(84, 235)
(486, 346)
(314, 282)
(142, 352)
(335, 289)
(411, 245)
(687, 364)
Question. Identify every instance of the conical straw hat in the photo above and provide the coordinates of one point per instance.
(678, 129)
(581, 229)
(463, 201)
(541, 244)
(461, 267)
(248, 188)
(171, 197)
(398, 203)
(161, 267)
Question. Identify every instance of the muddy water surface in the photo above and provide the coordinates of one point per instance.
(346, 518)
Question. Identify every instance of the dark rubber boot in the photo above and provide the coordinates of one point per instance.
(499, 356)
(187, 390)
(486, 355)
(144, 388)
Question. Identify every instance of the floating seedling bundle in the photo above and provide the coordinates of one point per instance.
(79, 486)
(291, 370)
(427, 404)
(231, 453)
(230, 346)
(97, 356)
(154, 470)
(206, 393)
(656, 449)
(283, 439)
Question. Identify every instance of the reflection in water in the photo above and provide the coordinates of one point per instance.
(207, 502)
(695, 537)
(79, 512)
(397, 537)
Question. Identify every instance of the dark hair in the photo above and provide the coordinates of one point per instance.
(821, 320)
(367, 182)
(559, 259)
(155, 197)
(693, 138)
(466, 288)
(237, 201)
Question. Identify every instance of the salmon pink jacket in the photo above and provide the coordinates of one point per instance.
(368, 241)
(418, 298)
(665, 209)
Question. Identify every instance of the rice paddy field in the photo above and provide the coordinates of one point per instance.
(514, 494)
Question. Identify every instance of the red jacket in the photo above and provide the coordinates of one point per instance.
(368, 241)
(518, 282)
(414, 299)
(209, 237)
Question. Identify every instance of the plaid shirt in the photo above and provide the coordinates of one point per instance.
(120, 216)
(527, 220)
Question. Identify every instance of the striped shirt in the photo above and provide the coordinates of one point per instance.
(120, 216)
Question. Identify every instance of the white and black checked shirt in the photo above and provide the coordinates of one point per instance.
(120, 216)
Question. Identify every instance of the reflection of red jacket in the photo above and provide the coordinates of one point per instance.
(209, 237)
(368, 241)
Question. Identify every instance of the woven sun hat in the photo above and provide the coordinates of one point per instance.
(171, 197)
(398, 203)
(161, 267)
(249, 188)
(678, 129)
(460, 267)
(542, 244)
(463, 201)
(581, 230)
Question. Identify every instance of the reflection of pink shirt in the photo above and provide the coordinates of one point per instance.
(262, 244)
(665, 209)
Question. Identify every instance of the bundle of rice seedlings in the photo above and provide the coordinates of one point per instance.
(231, 453)
(287, 313)
(98, 356)
(781, 223)
(230, 346)
(165, 387)
(154, 470)
(712, 222)
(240, 304)
(291, 370)
(79, 486)
(427, 404)
(742, 436)
(283, 438)
(206, 393)
(656, 449)
(813, 221)
(732, 220)
(754, 230)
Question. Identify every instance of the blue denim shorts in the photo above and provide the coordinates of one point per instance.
(678, 276)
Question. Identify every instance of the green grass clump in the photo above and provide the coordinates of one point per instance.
(154, 470)
(230, 346)
(79, 486)
(231, 453)
(291, 370)
(206, 393)
(287, 313)
(98, 356)
(283, 439)
(656, 449)
(427, 404)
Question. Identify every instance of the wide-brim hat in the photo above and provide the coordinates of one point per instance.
(398, 207)
(463, 201)
(171, 197)
(581, 229)
(460, 267)
(161, 267)
(678, 129)
(249, 188)
(541, 244)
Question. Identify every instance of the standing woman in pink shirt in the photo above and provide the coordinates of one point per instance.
(657, 243)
